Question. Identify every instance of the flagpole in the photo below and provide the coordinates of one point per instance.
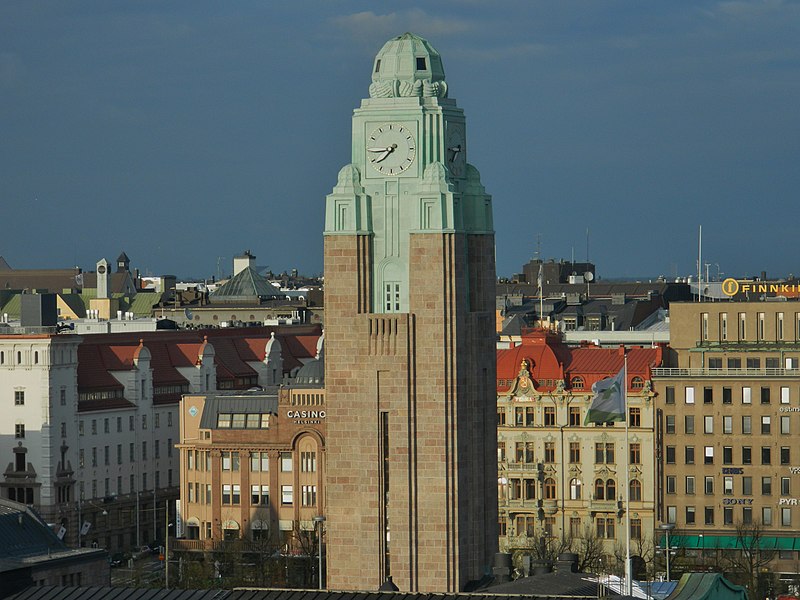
(541, 297)
(628, 573)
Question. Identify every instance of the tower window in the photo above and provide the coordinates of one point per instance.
(392, 296)
(421, 64)
(378, 65)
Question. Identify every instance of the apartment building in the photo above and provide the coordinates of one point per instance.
(729, 415)
(558, 477)
(252, 463)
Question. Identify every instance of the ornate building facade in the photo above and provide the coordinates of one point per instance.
(558, 477)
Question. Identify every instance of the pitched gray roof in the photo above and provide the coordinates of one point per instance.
(247, 403)
(246, 286)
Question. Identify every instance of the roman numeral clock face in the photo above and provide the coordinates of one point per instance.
(391, 149)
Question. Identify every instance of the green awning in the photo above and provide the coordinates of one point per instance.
(729, 542)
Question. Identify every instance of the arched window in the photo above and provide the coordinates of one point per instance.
(549, 488)
(575, 489)
(637, 383)
(636, 490)
(611, 489)
(599, 490)
(19, 358)
(577, 383)
(36, 357)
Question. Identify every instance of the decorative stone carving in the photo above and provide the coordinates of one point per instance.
(395, 88)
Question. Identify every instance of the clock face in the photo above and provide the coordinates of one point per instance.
(391, 149)
(455, 151)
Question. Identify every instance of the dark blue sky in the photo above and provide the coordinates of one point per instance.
(185, 132)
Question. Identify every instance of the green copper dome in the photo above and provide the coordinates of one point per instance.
(407, 66)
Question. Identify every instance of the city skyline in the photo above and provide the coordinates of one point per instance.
(182, 133)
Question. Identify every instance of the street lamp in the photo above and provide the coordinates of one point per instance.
(318, 521)
(667, 527)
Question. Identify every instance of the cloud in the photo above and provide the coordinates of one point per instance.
(749, 9)
(368, 25)
(523, 50)
(10, 69)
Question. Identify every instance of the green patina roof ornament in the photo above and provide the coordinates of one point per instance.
(407, 66)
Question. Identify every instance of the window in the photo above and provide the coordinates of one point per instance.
(670, 455)
(727, 515)
(747, 455)
(226, 493)
(727, 485)
(786, 517)
(106, 426)
(766, 486)
(286, 462)
(19, 431)
(529, 488)
(786, 454)
(688, 455)
(144, 450)
(635, 454)
(144, 421)
(709, 515)
(604, 453)
(309, 495)
(421, 63)
(747, 486)
(106, 457)
(747, 396)
(765, 395)
(237, 494)
(605, 527)
(672, 514)
(286, 494)
(708, 395)
(156, 420)
(708, 424)
(765, 424)
(766, 455)
(670, 424)
(119, 424)
(714, 363)
(577, 383)
(690, 485)
(734, 363)
(549, 416)
(94, 426)
(308, 462)
(19, 397)
(785, 486)
(727, 424)
(708, 455)
(391, 291)
(704, 326)
(550, 488)
(689, 395)
(636, 490)
(501, 417)
(130, 423)
(708, 485)
(549, 452)
(501, 451)
(688, 424)
(727, 395)
(766, 515)
(752, 363)
(669, 395)
(575, 489)
(634, 417)
(773, 363)
(574, 452)
(132, 453)
(785, 395)
(525, 525)
(746, 425)
(742, 326)
(690, 518)
(574, 416)
(727, 455)
(671, 481)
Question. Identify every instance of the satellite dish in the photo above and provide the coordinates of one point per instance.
(588, 276)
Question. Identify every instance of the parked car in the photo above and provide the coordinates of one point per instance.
(141, 552)
(118, 559)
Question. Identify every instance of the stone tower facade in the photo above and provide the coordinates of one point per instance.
(410, 373)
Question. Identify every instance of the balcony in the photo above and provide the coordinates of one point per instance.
(521, 466)
(720, 373)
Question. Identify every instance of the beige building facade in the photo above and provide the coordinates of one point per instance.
(729, 419)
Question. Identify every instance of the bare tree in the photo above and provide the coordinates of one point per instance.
(750, 557)
(589, 549)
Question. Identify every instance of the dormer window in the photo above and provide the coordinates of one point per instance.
(421, 64)
(377, 65)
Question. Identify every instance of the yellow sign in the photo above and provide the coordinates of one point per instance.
(731, 287)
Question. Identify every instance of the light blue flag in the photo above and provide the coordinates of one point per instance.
(608, 403)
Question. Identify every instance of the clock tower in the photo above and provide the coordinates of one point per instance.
(411, 490)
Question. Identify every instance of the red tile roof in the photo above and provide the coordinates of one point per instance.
(550, 360)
